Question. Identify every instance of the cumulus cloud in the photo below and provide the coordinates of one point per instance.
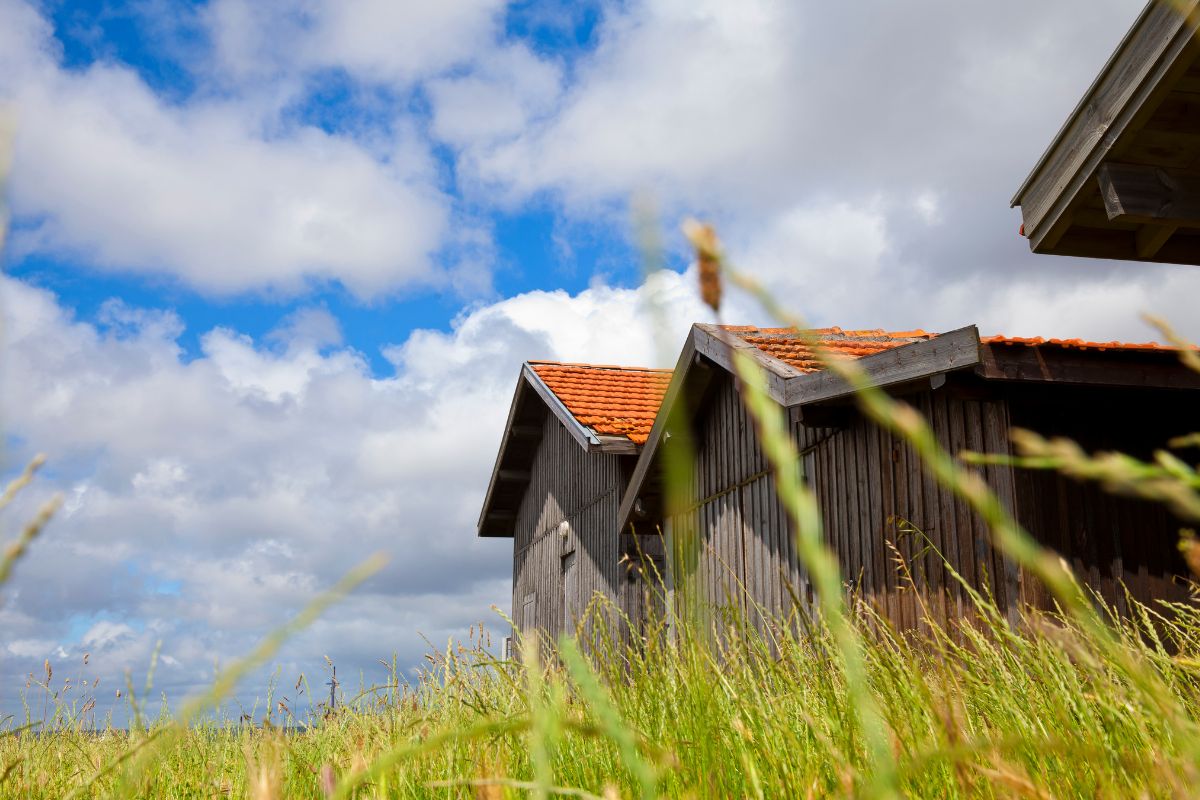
(209, 497)
(859, 157)
(218, 191)
(377, 40)
(508, 88)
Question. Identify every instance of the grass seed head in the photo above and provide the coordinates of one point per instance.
(708, 260)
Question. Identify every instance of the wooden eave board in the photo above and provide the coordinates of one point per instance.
(506, 487)
(646, 465)
(789, 386)
(516, 452)
(1113, 367)
(955, 350)
(1143, 109)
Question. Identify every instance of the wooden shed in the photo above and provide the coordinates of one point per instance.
(872, 488)
(572, 438)
(1122, 177)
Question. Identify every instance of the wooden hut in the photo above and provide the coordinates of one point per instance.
(1122, 177)
(572, 438)
(873, 490)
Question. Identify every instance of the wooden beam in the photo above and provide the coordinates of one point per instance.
(511, 431)
(690, 377)
(621, 445)
(579, 432)
(1151, 237)
(513, 475)
(1155, 52)
(497, 524)
(1069, 365)
(837, 416)
(719, 345)
(525, 431)
(1137, 193)
(916, 361)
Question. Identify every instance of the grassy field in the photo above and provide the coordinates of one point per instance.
(982, 712)
(1074, 705)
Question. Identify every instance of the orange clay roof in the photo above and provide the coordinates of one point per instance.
(1077, 344)
(786, 344)
(612, 401)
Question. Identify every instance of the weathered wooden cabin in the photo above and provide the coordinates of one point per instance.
(573, 435)
(1122, 177)
(873, 490)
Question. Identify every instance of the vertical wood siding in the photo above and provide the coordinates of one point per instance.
(746, 557)
(881, 506)
(567, 485)
(1112, 543)
(872, 490)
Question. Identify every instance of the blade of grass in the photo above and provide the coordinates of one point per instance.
(229, 678)
(608, 717)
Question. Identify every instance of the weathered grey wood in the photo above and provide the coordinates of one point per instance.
(955, 350)
(687, 373)
(1138, 193)
(1128, 86)
(613, 444)
(1110, 542)
(1150, 369)
(579, 432)
(510, 433)
(525, 431)
(720, 345)
(576, 492)
(1150, 238)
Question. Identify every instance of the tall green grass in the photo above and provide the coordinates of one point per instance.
(983, 710)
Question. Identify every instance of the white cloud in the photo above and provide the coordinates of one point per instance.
(215, 191)
(377, 40)
(105, 633)
(677, 93)
(866, 181)
(212, 496)
(498, 99)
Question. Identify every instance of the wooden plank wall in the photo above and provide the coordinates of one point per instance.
(1110, 542)
(867, 482)
(743, 534)
(875, 495)
(567, 485)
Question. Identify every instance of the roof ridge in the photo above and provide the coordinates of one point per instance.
(584, 365)
(1034, 341)
(831, 332)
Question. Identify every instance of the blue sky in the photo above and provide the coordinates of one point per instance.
(535, 246)
(273, 267)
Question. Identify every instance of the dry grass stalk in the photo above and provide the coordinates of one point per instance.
(708, 261)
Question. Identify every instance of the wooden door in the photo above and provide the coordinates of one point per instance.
(570, 584)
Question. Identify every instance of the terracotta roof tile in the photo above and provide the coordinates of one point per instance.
(1076, 344)
(786, 344)
(611, 400)
(623, 401)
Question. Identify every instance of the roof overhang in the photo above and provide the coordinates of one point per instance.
(1120, 178)
(532, 399)
(922, 364)
(709, 346)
